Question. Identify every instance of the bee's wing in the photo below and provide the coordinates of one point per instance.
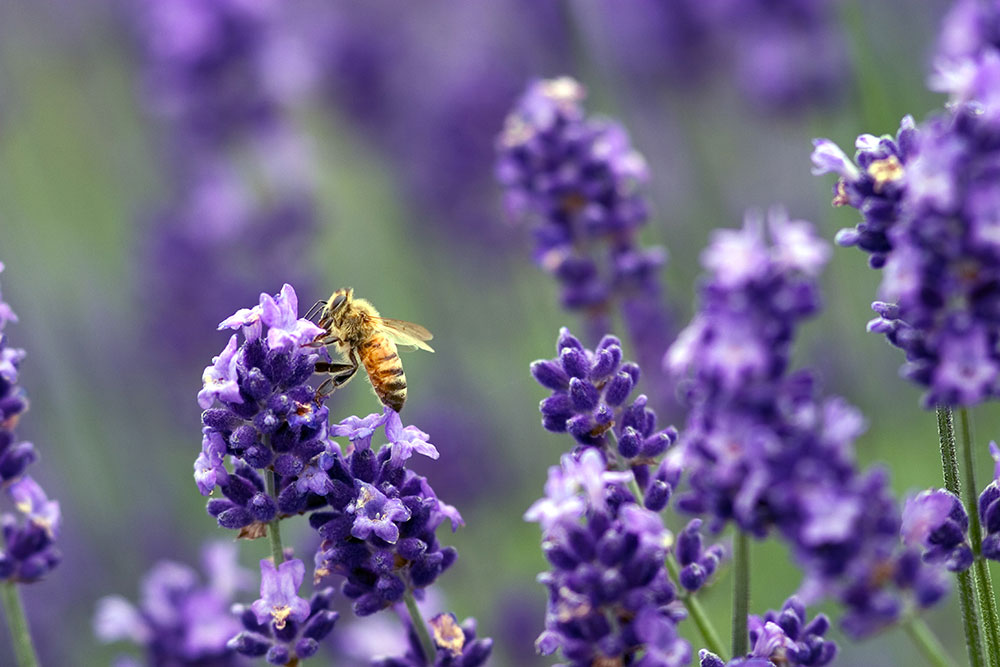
(406, 333)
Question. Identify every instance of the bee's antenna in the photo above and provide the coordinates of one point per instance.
(316, 308)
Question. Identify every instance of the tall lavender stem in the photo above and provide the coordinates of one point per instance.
(981, 573)
(966, 594)
(741, 593)
(274, 526)
(17, 622)
(426, 644)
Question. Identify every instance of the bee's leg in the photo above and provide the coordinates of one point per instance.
(316, 308)
(323, 341)
(340, 374)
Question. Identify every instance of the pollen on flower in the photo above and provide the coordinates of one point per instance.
(280, 615)
(447, 633)
(884, 171)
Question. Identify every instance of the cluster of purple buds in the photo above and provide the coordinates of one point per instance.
(261, 412)
(456, 646)
(697, 563)
(989, 510)
(783, 638)
(590, 392)
(967, 64)
(936, 520)
(873, 184)
(27, 551)
(179, 619)
(379, 526)
(577, 179)
(280, 626)
(609, 592)
(763, 448)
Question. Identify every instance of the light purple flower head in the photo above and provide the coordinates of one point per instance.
(375, 513)
(208, 467)
(406, 441)
(219, 381)
(281, 314)
(279, 587)
(359, 430)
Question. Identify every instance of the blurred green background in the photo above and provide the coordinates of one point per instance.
(80, 168)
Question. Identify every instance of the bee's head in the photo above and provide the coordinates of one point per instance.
(338, 302)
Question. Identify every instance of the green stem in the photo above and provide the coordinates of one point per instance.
(274, 528)
(420, 628)
(741, 594)
(927, 642)
(980, 572)
(17, 622)
(966, 587)
(708, 633)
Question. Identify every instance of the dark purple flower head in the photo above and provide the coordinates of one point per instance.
(179, 619)
(590, 392)
(261, 412)
(27, 550)
(576, 181)
(697, 563)
(607, 561)
(935, 520)
(989, 510)
(457, 646)
(282, 627)
(872, 183)
(378, 519)
(786, 638)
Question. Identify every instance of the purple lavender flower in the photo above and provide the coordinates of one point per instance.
(697, 563)
(589, 397)
(783, 638)
(268, 417)
(874, 185)
(607, 556)
(27, 550)
(280, 626)
(179, 619)
(967, 63)
(378, 519)
(941, 277)
(989, 510)
(457, 646)
(576, 180)
(279, 600)
(936, 520)
(764, 449)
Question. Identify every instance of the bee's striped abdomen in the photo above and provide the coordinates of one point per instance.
(385, 370)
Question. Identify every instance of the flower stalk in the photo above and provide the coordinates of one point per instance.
(966, 592)
(274, 527)
(426, 643)
(17, 622)
(929, 645)
(741, 593)
(980, 571)
(708, 632)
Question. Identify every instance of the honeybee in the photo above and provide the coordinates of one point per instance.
(360, 333)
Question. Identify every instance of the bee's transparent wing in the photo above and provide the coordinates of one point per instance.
(406, 333)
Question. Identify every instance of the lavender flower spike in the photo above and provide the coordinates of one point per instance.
(457, 646)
